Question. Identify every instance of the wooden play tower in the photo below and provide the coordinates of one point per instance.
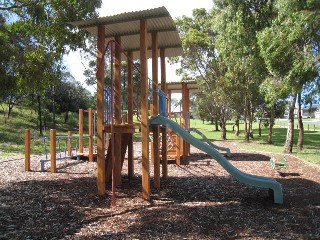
(131, 36)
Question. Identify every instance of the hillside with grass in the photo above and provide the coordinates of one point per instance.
(12, 129)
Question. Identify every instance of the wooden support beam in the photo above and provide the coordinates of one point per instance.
(101, 172)
(117, 81)
(81, 130)
(155, 110)
(130, 114)
(164, 159)
(117, 111)
(185, 118)
(144, 110)
(53, 167)
(27, 149)
(90, 125)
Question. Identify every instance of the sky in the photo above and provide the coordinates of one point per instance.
(176, 8)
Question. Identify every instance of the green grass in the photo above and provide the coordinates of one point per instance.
(12, 135)
(12, 132)
(311, 151)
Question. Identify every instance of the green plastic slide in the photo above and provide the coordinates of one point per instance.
(204, 138)
(253, 180)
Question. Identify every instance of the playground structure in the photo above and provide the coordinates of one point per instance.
(62, 147)
(128, 35)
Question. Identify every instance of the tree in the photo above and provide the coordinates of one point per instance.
(37, 34)
(46, 21)
(289, 50)
(201, 62)
(69, 96)
(236, 24)
(271, 90)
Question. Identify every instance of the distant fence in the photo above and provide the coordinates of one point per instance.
(308, 126)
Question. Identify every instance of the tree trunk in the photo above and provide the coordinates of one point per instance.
(290, 131)
(250, 122)
(237, 127)
(301, 129)
(10, 106)
(260, 127)
(223, 130)
(217, 125)
(246, 119)
(66, 117)
(271, 125)
(40, 115)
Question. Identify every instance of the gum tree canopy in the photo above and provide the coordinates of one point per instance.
(34, 36)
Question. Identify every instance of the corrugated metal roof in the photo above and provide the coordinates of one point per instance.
(127, 25)
(176, 87)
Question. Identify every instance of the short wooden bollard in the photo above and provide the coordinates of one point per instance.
(90, 113)
(69, 143)
(81, 130)
(53, 150)
(27, 139)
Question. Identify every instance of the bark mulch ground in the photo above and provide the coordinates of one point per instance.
(199, 200)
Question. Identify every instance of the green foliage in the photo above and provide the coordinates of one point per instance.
(34, 36)
(287, 46)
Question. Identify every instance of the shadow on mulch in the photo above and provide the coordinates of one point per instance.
(220, 207)
(195, 207)
(249, 157)
(234, 157)
(46, 209)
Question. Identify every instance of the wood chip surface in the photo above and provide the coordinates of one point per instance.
(199, 200)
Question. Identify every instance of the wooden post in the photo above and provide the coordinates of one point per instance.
(101, 172)
(144, 110)
(53, 150)
(27, 140)
(164, 159)
(185, 119)
(155, 110)
(69, 143)
(81, 130)
(117, 112)
(130, 114)
(90, 116)
(178, 152)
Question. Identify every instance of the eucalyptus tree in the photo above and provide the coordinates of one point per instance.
(274, 95)
(201, 62)
(39, 36)
(290, 50)
(236, 24)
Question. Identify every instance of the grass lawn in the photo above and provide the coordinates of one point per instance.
(12, 134)
(311, 151)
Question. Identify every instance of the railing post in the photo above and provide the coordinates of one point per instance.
(69, 143)
(27, 139)
(53, 150)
